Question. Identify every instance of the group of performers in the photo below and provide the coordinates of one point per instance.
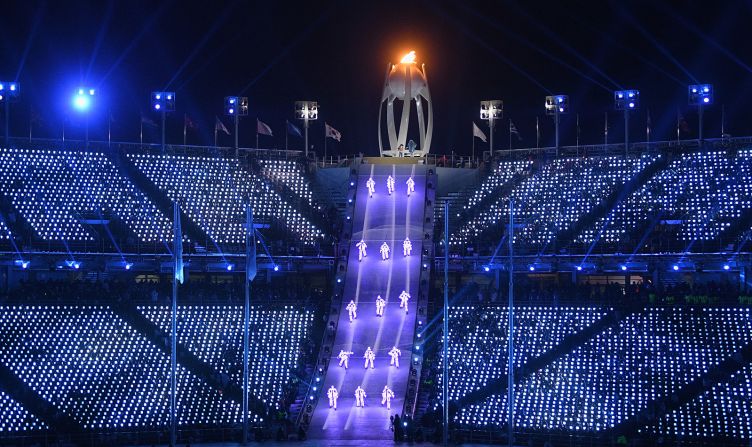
(360, 397)
(371, 185)
(384, 249)
(352, 307)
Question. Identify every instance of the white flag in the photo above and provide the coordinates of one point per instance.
(333, 133)
(479, 133)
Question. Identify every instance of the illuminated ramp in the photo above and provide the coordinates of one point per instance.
(382, 218)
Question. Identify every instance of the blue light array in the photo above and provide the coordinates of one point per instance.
(650, 354)
(706, 192)
(555, 197)
(94, 367)
(51, 189)
(15, 419)
(213, 192)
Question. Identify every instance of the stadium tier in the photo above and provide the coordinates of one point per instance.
(700, 193)
(212, 191)
(502, 173)
(56, 191)
(4, 231)
(289, 174)
(554, 198)
(599, 384)
(93, 366)
(15, 419)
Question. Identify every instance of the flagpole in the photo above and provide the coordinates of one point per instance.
(647, 129)
(324, 143)
(605, 128)
(185, 125)
(31, 118)
(473, 137)
(723, 120)
(678, 125)
(215, 134)
(141, 132)
(109, 129)
(537, 133)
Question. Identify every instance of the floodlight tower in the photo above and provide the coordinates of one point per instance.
(306, 111)
(626, 101)
(700, 95)
(491, 110)
(9, 91)
(163, 102)
(235, 107)
(82, 101)
(557, 105)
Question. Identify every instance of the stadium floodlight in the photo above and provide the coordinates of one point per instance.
(700, 95)
(557, 105)
(83, 98)
(235, 107)
(9, 91)
(626, 100)
(306, 111)
(164, 103)
(491, 110)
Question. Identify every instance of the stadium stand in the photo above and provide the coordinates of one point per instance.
(4, 231)
(555, 197)
(15, 419)
(288, 173)
(212, 191)
(700, 192)
(55, 190)
(502, 173)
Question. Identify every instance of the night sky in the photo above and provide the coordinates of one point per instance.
(337, 53)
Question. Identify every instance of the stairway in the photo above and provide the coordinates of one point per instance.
(376, 220)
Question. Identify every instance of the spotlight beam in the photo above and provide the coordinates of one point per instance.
(100, 36)
(30, 39)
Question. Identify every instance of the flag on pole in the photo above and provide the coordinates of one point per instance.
(219, 125)
(333, 133)
(188, 122)
(250, 245)
(292, 129)
(148, 121)
(263, 128)
(178, 245)
(477, 133)
(513, 130)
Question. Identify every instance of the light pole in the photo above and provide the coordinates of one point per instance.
(306, 111)
(163, 102)
(491, 110)
(82, 101)
(235, 107)
(9, 91)
(557, 105)
(700, 95)
(626, 101)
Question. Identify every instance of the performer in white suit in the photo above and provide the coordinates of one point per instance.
(384, 251)
(371, 185)
(390, 184)
(352, 310)
(380, 305)
(360, 397)
(333, 396)
(395, 354)
(410, 186)
(407, 247)
(344, 358)
(361, 249)
(369, 356)
(386, 397)
(404, 297)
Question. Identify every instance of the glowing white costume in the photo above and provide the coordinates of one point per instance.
(380, 305)
(333, 396)
(361, 249)
(390, 184)
(404, 297)
(410, 186)
(352, 310)
(384, 251)
(360, 397)
(369, 356)
(395, 354)
(344, 357)
(386, 397)
(371, 185)
(407, 247)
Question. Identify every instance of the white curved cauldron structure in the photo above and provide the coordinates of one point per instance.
(406, 82)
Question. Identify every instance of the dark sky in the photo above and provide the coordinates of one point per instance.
(337, 53)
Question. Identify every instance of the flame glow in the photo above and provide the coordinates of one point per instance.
(409, 58)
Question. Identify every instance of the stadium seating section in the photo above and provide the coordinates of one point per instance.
(554, 198)
(288, 173)
(93, 366)
(55, 190)
(650, 354)
(4, 231)
(213, 191)
(502, 173)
